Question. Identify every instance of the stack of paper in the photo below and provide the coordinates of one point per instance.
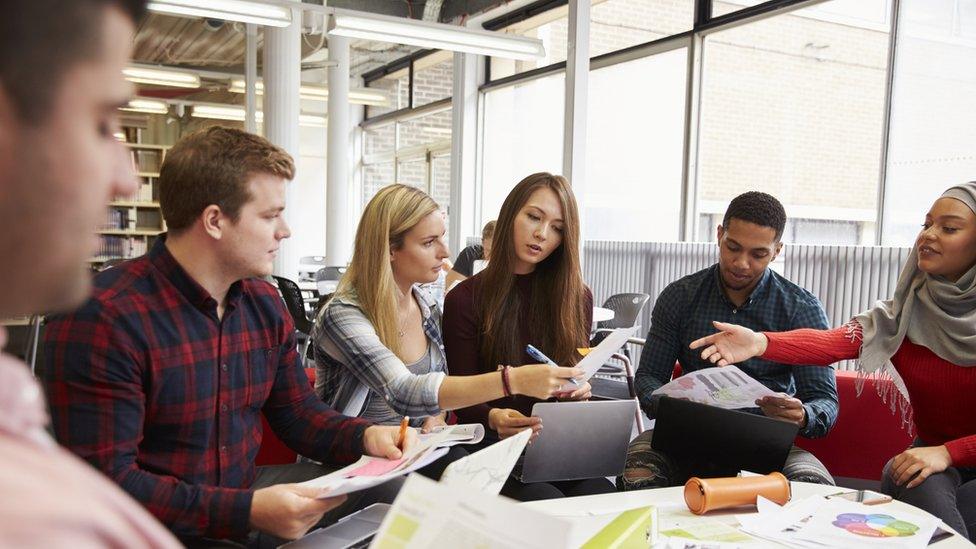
(372, 471)
(464, 433)
(429, 514)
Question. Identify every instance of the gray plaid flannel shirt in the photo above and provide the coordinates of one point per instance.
(348, 352)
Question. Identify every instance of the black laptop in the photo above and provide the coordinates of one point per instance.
(717, 442)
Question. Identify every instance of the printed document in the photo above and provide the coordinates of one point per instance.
(725, 387)
(430, 514)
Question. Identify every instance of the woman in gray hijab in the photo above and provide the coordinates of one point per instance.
(919, 347)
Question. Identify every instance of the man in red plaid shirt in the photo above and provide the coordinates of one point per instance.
(160, 380)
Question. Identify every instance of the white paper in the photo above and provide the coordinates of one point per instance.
(464, 433)
(487, 470)
(428, 514)
(665, 542)
(818, 522)
(599, 355)
(725, 387)
(843, 523)
(341, 482)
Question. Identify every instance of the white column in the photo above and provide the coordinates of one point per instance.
(282, 105)
(250, 78)
(464, 145)
(577, 82)
(340, 226)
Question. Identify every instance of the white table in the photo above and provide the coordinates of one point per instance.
(591, 513)
(601, 314)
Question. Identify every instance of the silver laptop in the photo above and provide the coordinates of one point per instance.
(579, 440)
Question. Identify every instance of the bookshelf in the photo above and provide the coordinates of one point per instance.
(134, 222)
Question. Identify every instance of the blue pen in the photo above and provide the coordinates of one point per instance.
(536, 354)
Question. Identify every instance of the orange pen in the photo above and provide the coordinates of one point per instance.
(402, 437)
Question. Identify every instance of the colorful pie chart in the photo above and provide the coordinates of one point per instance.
(875, 526)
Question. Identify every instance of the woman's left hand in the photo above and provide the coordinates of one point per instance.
(581, 393)
(432, 422)
(924, 460)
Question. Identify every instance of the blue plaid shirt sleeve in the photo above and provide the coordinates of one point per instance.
(364, 356)
(661, 350)
(816, 386)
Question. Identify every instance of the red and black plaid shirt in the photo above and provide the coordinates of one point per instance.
(149, 386)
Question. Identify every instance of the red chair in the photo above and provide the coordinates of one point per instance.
(866, 435)
(273, 451)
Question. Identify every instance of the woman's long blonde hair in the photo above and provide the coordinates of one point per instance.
(369, 279)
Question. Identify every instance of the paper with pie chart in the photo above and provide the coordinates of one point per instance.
(725, 387)
(846, 524)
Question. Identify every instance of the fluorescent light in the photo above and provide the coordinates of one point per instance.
(220, 112)
(147, 106)
(312, 120)
(435, 35)
(245, 11)
(176, 79)
(360, 96)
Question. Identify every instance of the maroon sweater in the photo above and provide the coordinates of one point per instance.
(940, 391)
(462, 342)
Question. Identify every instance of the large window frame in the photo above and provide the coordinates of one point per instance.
(398, 155)
(703, 25)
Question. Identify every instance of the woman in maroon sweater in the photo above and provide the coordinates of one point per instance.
(531, 292)
(921, 342)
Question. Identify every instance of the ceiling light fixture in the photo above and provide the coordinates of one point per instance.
(244, 11)
(359, 96)
(160, 77)
(148, 106)
(220, 112)
(434, 35)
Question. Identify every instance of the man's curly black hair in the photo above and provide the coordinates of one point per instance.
(759, 208)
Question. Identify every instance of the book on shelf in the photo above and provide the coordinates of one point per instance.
(146, 160)
(121, 246)
(117, 220)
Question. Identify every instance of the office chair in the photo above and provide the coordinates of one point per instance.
(292, 296)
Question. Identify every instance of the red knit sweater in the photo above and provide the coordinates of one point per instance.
(938, 389)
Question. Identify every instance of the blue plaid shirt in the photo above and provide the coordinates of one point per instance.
(684, 312)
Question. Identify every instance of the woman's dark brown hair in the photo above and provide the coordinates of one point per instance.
(557, 319)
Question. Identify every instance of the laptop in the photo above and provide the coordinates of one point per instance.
(720, 442)
(579, 440)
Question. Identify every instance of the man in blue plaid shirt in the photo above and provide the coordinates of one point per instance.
(742, 289)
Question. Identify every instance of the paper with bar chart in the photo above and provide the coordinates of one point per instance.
(725, 387)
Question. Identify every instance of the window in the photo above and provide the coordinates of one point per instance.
(619, 24)
(933, 124)
(433, 78)
(397, 89)
(413, 172)
(793, 105)
(551, 27)
(722, 7)
(523, 134)
(634, 149)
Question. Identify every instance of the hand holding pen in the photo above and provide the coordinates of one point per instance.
(540, 380)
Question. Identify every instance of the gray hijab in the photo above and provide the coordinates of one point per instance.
(932, 311)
